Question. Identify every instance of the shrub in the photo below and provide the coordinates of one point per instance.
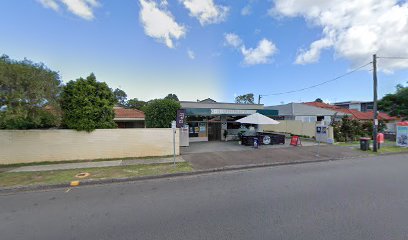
(160, 113)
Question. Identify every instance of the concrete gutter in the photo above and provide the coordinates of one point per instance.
(11, 190)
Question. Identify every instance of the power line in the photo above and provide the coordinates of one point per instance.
(322, 83)
(402, 58)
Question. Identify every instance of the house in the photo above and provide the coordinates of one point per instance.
(208, 119)
(305, 113)
(352, 113)
(129, 118)
(356, 105)
(360, 116)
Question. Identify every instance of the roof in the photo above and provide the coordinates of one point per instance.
(125, 113)
(354, 114)
(219, 105)
(402, 124)
(301, 109)
(351, 102)
(208, 100)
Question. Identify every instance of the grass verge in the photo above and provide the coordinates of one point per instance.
(391, 149)
(14, 165)
(8, 179)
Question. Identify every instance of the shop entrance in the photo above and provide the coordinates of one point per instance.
(214, 131)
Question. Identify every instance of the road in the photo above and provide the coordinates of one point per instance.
(348, 199)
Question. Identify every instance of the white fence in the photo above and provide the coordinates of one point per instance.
(23, 146)
(293, 126)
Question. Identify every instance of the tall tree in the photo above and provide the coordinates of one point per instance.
(120, 96)
(26, 88)
(319, 100)
(88, 104)
(245, 99)
(172, 96)
(135, 104)
(395, 104)
(160, 112)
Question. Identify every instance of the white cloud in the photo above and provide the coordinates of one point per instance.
(52, 4)
(262, 54)
(206, 11)
(354, 29)
(247, 10)
(81, 8)
(159, 23)
(191, 54)
(231, 39)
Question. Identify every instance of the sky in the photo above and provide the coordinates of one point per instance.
(215, 49)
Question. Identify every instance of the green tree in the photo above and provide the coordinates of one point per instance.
(88, 104)
(160, 113)
(26, 89)
(120, 96)
(172, 96)
(135, 104)
(319, 100)
(245, 99)
(395, 104)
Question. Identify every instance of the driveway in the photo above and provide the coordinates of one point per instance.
(221, 146)
(240, 155)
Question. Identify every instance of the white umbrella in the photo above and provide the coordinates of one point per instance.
(257, 118)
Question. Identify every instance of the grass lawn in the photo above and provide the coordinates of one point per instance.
(392, 149)
(347, 144)
(65, 176)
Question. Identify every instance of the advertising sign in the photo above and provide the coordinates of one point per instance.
(402, 134)
(181, 116)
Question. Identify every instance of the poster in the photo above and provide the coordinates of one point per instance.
(402, 135)
(202, 127)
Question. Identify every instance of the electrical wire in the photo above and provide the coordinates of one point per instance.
(402, 58)
(322, 83)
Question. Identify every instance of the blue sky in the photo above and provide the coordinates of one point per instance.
(213, 48)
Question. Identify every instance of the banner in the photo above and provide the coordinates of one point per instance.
(181, 116)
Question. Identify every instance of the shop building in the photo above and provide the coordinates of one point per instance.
(208, 120)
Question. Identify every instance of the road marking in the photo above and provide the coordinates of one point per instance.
(69, 189)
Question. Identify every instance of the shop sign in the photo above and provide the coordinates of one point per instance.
(231, 112)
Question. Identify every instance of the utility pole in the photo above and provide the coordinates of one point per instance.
(259, 98)
(375, 125)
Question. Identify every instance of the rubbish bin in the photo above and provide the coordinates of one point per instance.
(256, 142)
(365, 144)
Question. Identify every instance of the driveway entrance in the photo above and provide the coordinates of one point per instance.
(208, 155)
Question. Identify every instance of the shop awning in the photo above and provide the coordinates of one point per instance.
(257, 118)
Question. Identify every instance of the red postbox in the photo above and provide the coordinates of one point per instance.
(380, 138)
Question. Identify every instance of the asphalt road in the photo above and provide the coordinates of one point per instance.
(348, 199)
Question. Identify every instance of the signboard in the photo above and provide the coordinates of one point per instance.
(402, 134)
(181, 116)
(322, 133)
(295, 141)
(231, 112)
